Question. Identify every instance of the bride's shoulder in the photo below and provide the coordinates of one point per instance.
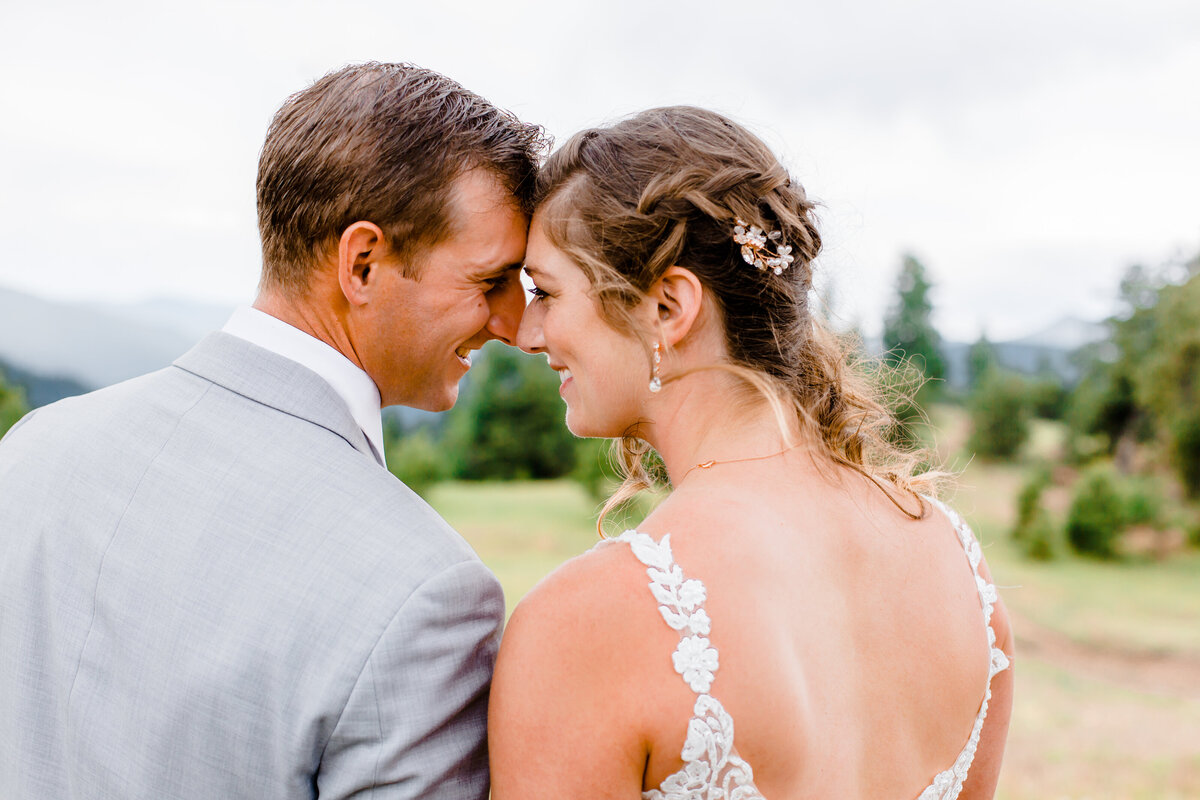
(590, 620)
(601, 600)
(591, 603)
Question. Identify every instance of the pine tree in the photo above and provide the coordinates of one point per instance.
(908, 332)
(981, 359)
(509, 423)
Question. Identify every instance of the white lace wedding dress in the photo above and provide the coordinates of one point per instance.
(712, 769)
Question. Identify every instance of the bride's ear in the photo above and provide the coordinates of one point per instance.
(678, 296)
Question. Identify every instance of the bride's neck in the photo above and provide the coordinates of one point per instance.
(703, 418)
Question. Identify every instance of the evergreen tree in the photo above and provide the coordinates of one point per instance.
(981, 358)
(908, 332)
(509, 425)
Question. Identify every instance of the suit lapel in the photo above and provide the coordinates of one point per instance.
(275, 381)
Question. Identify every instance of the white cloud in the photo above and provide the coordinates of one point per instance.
(1027, 152)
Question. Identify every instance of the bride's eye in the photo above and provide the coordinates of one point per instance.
(538, 294)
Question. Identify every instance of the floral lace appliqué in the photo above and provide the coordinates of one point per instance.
(712, 770)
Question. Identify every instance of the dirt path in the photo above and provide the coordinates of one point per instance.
(1167, 674)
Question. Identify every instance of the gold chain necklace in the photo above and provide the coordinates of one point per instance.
(713, 462)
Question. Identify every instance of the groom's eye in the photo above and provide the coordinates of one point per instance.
(495, 282)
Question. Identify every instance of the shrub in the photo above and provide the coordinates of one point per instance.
(999, 410)
(1143, 502)
(1034, 532)
(1185, 451)
(416, 461)
(1047, 398)
(1041, 540)
(1029, 499)
(1096, 517)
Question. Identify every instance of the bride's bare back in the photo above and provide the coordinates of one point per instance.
(853, 654)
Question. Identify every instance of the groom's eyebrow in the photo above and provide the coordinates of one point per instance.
(486, 273)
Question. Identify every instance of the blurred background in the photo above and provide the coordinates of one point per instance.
(1008, 199)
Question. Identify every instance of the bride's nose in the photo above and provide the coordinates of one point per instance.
(530, 336)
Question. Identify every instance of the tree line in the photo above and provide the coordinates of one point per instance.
(1132, 419)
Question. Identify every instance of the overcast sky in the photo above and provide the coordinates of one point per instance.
(1025, 151)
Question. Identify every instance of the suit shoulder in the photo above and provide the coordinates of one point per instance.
(389, 506)
(130, 405)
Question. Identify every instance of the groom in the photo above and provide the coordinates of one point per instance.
(210, 585)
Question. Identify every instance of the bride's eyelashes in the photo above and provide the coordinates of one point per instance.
(538, 294)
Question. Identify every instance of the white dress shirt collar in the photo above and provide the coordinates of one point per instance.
(350, 382)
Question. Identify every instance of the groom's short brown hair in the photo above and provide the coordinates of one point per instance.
(382, 143)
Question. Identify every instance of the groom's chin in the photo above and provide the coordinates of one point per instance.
(442, 402)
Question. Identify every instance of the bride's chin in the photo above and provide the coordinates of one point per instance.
(578, 425)
(591, 429)
(574, 425)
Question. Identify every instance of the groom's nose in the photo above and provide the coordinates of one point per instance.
(506, 304)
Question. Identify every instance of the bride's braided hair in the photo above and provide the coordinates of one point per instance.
(664, 188)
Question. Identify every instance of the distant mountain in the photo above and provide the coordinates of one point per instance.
(97, 345)
(194, 320)
(1069, 333)
(1049, 350)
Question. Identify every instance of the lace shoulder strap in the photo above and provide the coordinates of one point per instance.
(681, 603)
(712, 769)
(988, 596)
(948, 784)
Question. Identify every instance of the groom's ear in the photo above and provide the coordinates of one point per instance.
(360, 251)
(678, 296)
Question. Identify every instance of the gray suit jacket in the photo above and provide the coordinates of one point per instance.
(210, 589)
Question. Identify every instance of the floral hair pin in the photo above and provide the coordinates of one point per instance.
(757, 252)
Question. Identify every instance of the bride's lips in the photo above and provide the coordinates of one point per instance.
(464, 356)
(564, 377)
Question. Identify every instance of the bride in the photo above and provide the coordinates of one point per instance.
(799, 618)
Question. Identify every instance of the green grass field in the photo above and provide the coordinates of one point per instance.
(1108, 662)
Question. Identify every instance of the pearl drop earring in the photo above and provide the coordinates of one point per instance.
(655, 381)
